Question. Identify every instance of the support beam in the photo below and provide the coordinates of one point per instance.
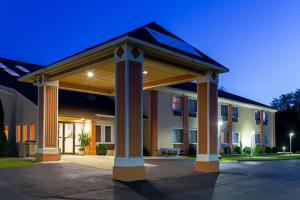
(207, 94)
(169, 81)
(185, 122)
(48, 120)
(85, 88)
(153, 122)
(129, 161)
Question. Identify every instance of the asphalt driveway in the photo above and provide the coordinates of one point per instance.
(166, 179)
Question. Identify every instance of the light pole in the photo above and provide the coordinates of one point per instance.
(220, 123)
(291, 135)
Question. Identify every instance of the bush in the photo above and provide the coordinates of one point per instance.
(192, 151)
(227, 150)
(247, 150)
(237, 150)
(275, 150)
(258, 149)
(101, 149)
(3, 138)
(268, 150)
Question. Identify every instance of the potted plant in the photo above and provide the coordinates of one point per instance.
(84, 139)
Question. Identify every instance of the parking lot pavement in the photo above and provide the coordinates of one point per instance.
(166, 179)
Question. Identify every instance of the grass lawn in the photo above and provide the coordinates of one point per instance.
(15, 163)
(226, 159)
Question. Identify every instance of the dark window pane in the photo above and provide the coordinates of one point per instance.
(107, 133)
(98, 133)
(192, 106)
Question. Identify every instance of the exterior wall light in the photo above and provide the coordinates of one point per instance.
(145, 72)
(90, 74)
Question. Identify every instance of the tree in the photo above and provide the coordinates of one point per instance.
(3, 138)
(288, 119)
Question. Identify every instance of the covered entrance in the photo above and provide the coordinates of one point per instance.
(68, 134)
(145, 58)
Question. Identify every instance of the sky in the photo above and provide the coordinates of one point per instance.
(258, 40)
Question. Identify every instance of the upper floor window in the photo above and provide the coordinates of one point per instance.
(192, 107)
(177, 135)
(236, 138)
(257, 117)
(192, 136)
(224, 112)
(257, 138)
(177, 105)
(265, 118)
(235, 113)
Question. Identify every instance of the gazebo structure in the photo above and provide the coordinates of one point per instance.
(145, 58)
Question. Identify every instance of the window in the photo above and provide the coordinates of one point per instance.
(107, 133)
(32, 131)
(192, 136)
(265, 118)
(224, 112)
(172, 42)
(6, 131)
(266, 139)
(235, 113)
(177, 105)
(18, 133)
(257, 138)
(192, 107)
(11, 72)
(177, 136)
(23, 69)
(25, 133)
(236, 138)
(98, 133)
(257, 117)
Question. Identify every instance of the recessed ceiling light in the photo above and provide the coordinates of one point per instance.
(82, 119)
(145, 72)
(90, 74)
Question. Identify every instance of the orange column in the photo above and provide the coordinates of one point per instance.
(129, 161)
(48, 120)
(229, 125)
(262, 128)
(153, 122)
(185, 117)
(207, 94)
(92, 146)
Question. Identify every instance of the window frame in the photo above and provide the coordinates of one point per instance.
(238, 114)
(193, 129)
(177, 112)
(172, 132)
(98, 142)
(111, 134)
(225, 117)
(193, 114)
(257, 121)
(265, 118)
(239, 138)
(257, 133)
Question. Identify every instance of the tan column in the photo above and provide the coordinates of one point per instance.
(153, 122)
(48, 120)
(129, 161)
(185, 117)
(92, 146)
(262, 129)
(207, 94)
(229, 125)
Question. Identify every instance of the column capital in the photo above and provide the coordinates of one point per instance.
(43, 80)
(210, 76)
(129, 52)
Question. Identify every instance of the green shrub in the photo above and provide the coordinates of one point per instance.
(247, 150)
(237, 150)
(192, 151)
(3, 138)
(275, 150)
(258, 149)
(268, 150)
(227, 150)
(101, 149)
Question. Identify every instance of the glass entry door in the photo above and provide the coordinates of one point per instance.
(68, 138)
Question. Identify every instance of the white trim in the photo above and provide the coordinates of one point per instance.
(207, 157)
(129, 162)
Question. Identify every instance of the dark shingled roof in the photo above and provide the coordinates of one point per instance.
(192, 87)
(143, 34)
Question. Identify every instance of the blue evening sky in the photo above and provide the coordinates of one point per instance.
(258, 40)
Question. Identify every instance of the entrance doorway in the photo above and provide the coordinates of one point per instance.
(68, 134)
